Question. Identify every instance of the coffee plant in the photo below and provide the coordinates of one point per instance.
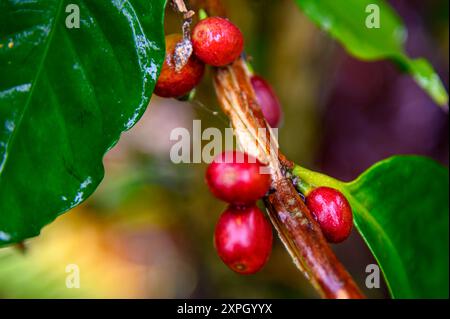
(68, 91)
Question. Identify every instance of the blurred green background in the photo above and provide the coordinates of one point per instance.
(147, 231)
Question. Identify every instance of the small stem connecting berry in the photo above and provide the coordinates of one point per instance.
(181, 7)
(183, 49)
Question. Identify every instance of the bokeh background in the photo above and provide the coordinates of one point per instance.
(147, 231)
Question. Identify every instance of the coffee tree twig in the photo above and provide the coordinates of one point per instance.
(294, 223)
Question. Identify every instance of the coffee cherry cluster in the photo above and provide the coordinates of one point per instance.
(243, 236)
(332, 211)
(217, 42)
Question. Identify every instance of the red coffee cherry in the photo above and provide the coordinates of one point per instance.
(235, 177)
(332, 211)
(243, 239)
(268, 101)
(173, 83)
(217, 41)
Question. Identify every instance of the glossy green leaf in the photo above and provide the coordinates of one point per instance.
(352, 23)
(400, 207)
(66, 94)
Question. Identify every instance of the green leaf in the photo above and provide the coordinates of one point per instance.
(66, 94)
(400, 207)
(346, 22)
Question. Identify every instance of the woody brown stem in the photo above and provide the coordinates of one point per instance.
(293, 221)
(306, 244)
(180, 6)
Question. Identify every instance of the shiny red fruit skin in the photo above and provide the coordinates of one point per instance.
(175, 84)
(243, 239)
(332, 211)
(267, 99)
(235, 178)
(217, 41)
